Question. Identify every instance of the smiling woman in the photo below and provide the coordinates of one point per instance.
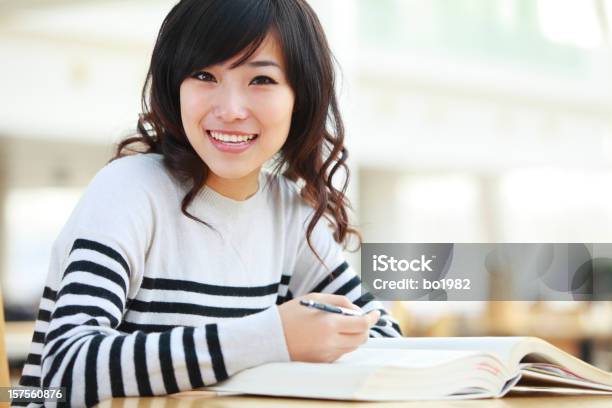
(237, 116)
(184, 261)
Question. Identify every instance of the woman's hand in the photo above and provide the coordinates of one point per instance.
(316, 336)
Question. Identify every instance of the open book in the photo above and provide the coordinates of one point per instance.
(395, 369)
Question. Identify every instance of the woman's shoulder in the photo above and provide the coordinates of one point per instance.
(142, 164)
(280, 186)
(124, 193)
(130, 181)
(137, 171)
(286, 194)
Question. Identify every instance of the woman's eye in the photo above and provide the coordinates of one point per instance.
(263, 80)
(203, 76)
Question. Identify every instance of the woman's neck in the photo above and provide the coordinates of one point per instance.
(237, 189)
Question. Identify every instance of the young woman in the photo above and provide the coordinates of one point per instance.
(183, 262)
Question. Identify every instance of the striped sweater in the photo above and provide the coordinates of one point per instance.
(142, 300)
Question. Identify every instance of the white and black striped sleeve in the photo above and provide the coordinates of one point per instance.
(84, 352)
(310, 276)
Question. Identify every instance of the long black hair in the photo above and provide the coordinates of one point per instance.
(200, 33)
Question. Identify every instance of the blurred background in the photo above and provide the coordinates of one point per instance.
(467, 121)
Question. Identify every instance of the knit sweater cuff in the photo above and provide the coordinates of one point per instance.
(253, 340)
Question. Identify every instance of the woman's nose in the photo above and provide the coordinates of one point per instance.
(230, 106)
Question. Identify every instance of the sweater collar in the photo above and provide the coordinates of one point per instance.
(213, 207)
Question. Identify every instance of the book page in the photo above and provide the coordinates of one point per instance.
(534, 377)
(502, 347)
(538, 351)
(510, 350)
(406, 358)
(525, 390)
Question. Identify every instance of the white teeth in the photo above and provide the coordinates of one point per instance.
(231, 138)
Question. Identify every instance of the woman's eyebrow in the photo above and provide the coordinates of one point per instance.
(263, 63)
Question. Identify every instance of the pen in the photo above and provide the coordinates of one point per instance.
(330, 308)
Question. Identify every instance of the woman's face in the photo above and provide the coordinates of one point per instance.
(236, 119)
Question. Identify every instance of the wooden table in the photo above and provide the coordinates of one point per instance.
(265, 402)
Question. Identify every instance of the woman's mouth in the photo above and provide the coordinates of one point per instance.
(231, 142)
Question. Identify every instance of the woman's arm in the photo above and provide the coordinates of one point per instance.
(310, 276)
(85, 353)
